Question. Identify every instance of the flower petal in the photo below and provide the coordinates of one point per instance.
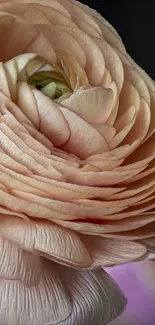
(34, 42)
(17, 264)
(61, 244)
(93, 105)
(96, 298)
(27, 103)
(109, 252)
(43, 304)
(52, 122)
(82, 133)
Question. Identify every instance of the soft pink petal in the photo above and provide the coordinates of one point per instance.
(61, 244)
(81, 132)
(96, 298)
(93, 105)
(108, 252)
(17, 264)
(52, 122)
(45, 303)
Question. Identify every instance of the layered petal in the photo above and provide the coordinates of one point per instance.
(108, 252)
(94, 297)
(45, 303)
(77, 163)
(60, 244)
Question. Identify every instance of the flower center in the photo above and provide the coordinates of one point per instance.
(56, 89)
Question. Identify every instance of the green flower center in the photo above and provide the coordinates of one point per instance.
(55, 89)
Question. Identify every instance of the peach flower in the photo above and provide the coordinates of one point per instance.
(77, 168)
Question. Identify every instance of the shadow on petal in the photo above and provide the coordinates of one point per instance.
(95, 296)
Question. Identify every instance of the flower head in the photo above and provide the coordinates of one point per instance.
(76, 163)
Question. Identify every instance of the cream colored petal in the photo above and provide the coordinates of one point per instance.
(96, 298)
(144, 153)
(147, 231)
(47, 4)
(15, 147)
(150, 244)
(107, 78)
(64, 41)
(134, 188)
(29, 141)
(108, 252)
(125, 118)
(106, 130)
(117, 153)
(13, 184)
(94, 59)
(152, 124)
(48, 187)
(31, 209)
(33, 42)
(13, 164)
(128, 97)
(30, 67)
(93, 105)
(52, 122)
(130, 201)
(34, 144)
(82, 208)
(81, 17)
(124, 125)
(25, 11)
(113, 62)
(4, 87)
(61, 244)
(138, 82)
(17, 264)
(12, 68)
(27, 102)
(41, 13)
(148, 198)
(9, 26)
(57, 15)
(75, 75)
(114, 110)
(84, 139)
(107, 165)
(46, 303)
(126, 59)
(96, 16)
(108, 32)
(109, 227)
(93, 191)
(9, 108)
(141, 126)
(77, 176)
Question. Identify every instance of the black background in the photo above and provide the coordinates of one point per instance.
(134, 20)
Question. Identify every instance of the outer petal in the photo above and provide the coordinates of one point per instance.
(34, 41)
(17, 264)
(96, 298)
(63, 245)
(109, 252)
(44, 304)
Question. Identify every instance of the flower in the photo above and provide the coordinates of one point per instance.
(137, 281)
(76, 164)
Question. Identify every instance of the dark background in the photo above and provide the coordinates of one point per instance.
(134, 20)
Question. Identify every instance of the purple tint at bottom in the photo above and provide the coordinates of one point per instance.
(137, 281)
